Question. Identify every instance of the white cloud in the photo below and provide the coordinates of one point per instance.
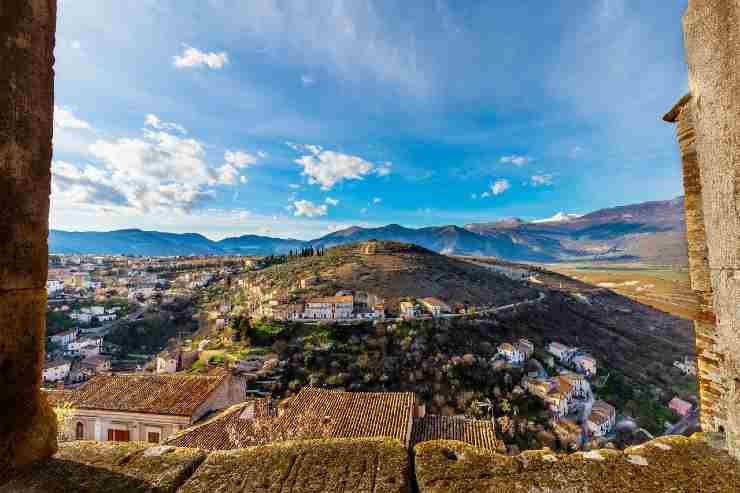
(193, 57)
(384, 169)
(64, 118)
(377, 200)
(307, 208)
(228, 174)
(307, 80)
(327, 168)
(262, 154)
(294, 186)
(515, 159)
(332, 201)
(243, 179)
(154, 122)
(541, 180)
(240, 159)
(157, 171)
(500, 186)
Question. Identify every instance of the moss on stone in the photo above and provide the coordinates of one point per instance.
(362, 465)
(108, 467)
(675, 464)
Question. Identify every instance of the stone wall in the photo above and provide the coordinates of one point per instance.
(27, 27)
(709, 135)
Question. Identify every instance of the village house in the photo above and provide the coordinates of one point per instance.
(585, 363)
(85, 318)
(602, 419)
(174, 361)
(569, 432)
(66, 337)
(580, 386)
(512, 353)
(557, 403)
(242, 425)
(435, 306)
(680, 406)
(54, 286)
(318, 413)
(408, 309)
(329, 308)
(539, 386)
(146, 408)
(55, 371)
(561, 351)
(86, 345)
(94, 365)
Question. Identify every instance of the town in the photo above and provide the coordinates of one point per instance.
(232, 351)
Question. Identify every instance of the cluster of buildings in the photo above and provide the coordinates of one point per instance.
(213, 412)
(424, 306)
(265, 300)
(79, 357)
(575, 415)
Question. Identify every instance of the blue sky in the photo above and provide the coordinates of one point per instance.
(297, 118)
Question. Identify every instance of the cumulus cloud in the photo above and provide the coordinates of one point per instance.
(331, 201)
(243, 179)
(240, 159)
(193, 57)
(377, 200)
(541, 180)
(327, 168)
(307, 208)
(157, 171)
(500, 186)
(154, 122)
(384, 169)
(515, 159)
(64, 118)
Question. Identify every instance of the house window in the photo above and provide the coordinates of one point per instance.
(152, 436)
(79, 431)
(119, 436)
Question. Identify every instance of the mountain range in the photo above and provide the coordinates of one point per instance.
(649, 231)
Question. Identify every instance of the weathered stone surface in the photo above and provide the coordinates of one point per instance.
(371, 466)
(110, 468)
(27, 30)
(668, 464)
(711, 34)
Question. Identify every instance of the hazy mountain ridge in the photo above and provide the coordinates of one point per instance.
(649, 231)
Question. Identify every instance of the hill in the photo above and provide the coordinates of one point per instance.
(393, 270)
(651, 232)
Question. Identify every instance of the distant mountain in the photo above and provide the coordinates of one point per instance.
(650, 231)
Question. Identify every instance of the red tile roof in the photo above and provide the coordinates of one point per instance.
(317, 413)
(478, 433)
(174, 394)
(233, 428)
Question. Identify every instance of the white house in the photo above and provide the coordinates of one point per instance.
(145, 408)
(87, 346)
(585, 363)
(54, 286)
(581, 387)
(65, 337)
(408, 309)
(435, 306)
(602, 419)
(56, 370)
(107, 318)
(329, 308)
(81, 317)
(560, 351)
(512, 353)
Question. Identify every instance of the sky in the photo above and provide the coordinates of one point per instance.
(299, 118)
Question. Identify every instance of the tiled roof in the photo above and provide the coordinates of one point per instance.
(58, 397)
(233, 428)
(317, 413)
(173, 394)
(478, 433)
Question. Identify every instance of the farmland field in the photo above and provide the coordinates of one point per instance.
(665, 288)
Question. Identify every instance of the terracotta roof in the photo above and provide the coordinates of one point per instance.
(233, 428)
(317, 413)
(332, 299)
(58, 397)
(174, 394)
(478, 433)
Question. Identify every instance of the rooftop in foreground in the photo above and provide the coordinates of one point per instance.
(668, 464)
